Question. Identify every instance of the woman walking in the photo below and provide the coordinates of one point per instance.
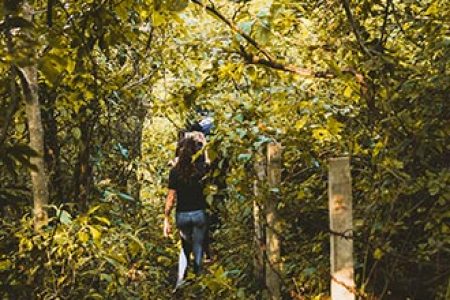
(186, 192)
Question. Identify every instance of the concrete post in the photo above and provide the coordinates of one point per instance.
(340, 209)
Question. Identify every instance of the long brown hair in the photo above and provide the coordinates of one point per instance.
(186, 166)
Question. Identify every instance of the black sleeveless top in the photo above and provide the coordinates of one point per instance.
(190, 195)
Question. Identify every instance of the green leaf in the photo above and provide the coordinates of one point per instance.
(76, 133)
(433, 189)
(246, 27)
(137, 244)
(176, 5)
(309, 271)
(65, 218)
(332, 64)
(244, 157)
(262, 32)
(445, 41)
(262, 139)
(123, 150)
(125, 196)
(5, 265)
(239, 118)
(165, 261)
(106, 277)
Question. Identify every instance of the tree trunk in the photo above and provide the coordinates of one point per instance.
(273, 225)
(39, 176)
(83, 169)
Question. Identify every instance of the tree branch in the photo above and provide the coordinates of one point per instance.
(355, 27)
(149, 40)
(328, 74)
(269, 60)
(235, 28)
(383, 28)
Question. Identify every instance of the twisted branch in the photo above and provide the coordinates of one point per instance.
(269, 59)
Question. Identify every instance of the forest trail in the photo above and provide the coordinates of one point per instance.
(93, 95)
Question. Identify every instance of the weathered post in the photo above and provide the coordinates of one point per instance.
(341, 240)
(273, 228)
(259, 238)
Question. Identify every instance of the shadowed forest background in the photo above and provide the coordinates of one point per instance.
(93, 93)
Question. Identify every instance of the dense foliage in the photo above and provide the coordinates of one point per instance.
(117, 79)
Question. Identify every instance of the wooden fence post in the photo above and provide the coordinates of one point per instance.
(259, 237)
(273, 226)
(341, 239)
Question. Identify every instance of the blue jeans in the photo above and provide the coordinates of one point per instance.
(192, 226)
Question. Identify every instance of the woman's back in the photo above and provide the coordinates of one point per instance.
(190, 195)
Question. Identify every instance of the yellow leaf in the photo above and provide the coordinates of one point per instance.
(143, 14)
(378, 147)
(348, 92)
(83, 236)
(157, 18)
(71, 65)
(96, 234)
(134, 248)
(432, 9)
(179, 20)
(93, 209)
(378, 254)
(301, 123)
(334, 126)
(321, 134)
(103, 220)
(61, 280)
(88, 95)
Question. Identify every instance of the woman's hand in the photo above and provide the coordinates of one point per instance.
(167, 227)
